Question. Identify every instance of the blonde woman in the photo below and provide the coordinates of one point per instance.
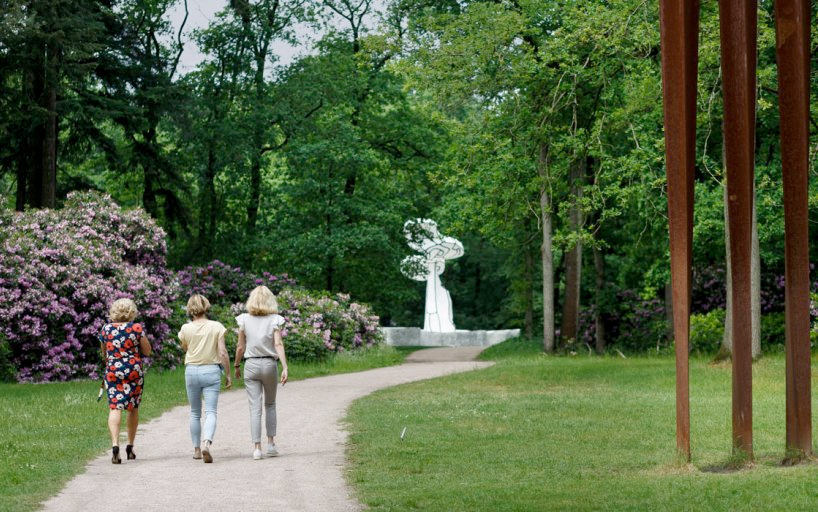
(205, 359)
(261, 347)
(123, 344)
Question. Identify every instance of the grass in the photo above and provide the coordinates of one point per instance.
(537, 432)
(347, 362)
(48, 432)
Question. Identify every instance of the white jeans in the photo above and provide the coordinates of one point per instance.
(261, 381)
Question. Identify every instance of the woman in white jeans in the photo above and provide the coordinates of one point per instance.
(205, 359)
(261, 347)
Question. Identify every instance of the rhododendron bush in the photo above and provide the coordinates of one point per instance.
(223, 283)
(317, 324)
(59, 271)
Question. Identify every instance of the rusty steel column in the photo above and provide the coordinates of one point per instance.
(738, 21)
(679, 30)
(792, 52)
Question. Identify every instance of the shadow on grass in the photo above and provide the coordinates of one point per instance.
(738, 463)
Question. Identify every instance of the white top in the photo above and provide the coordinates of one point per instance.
(258, 333)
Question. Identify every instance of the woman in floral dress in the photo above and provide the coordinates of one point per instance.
(123, 345)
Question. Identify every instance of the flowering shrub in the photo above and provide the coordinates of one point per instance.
(707, 331)
(317, 325)
(709, 290)
(635, 324)
(223, 283)
(59, 271)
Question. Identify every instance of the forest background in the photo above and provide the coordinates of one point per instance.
(531, 130)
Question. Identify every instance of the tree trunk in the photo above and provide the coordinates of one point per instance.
(546, 250)
(573, 257)
(48, 179)
(149, 171)
(755, 287)
(255, 193)
(207, 206)
(258, 136)
(727, 339)
(599, 325)
(37, 141)
(48, 194)
(24, 148)
(669, 312)
(528, 325)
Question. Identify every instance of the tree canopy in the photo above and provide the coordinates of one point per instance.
(529, 130)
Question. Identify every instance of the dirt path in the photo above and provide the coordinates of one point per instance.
(307, 476)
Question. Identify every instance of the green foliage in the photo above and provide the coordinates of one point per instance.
(707, 331)
(773, 330)
(318, 325)
(7, 369)
(472, 113)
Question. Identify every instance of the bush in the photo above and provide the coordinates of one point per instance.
(317, 324)
(636, 324)
(707, 331)
(59, 271)
(225, 284)
(7, 369)
(773, 332)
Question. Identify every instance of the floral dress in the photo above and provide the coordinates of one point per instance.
(123, 374)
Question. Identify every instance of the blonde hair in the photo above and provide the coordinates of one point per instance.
(262, 302)
(197, 305)
(122, 310)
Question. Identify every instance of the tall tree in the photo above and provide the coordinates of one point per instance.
(50, 49)
(357, 153)
(537, 75)
(262, 22)
(139, 73)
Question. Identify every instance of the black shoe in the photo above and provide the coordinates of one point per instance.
(129, 450)
(115, 457)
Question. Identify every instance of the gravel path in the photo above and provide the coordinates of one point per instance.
(307, 476)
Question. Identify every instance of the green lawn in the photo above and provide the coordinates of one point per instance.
(48, 432)
(537, 432)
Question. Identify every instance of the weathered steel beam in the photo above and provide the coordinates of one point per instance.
(738, 29)
(679, 30)
(792, 52)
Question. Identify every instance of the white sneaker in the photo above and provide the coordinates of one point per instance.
(256, 454)
(272, 451)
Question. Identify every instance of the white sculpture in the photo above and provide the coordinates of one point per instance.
(435, 249)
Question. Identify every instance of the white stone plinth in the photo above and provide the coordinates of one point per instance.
(417, 337)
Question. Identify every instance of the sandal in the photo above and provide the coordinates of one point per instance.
(129, 451)
(115, 457)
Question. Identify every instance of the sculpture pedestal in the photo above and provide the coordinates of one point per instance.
(417, 337)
